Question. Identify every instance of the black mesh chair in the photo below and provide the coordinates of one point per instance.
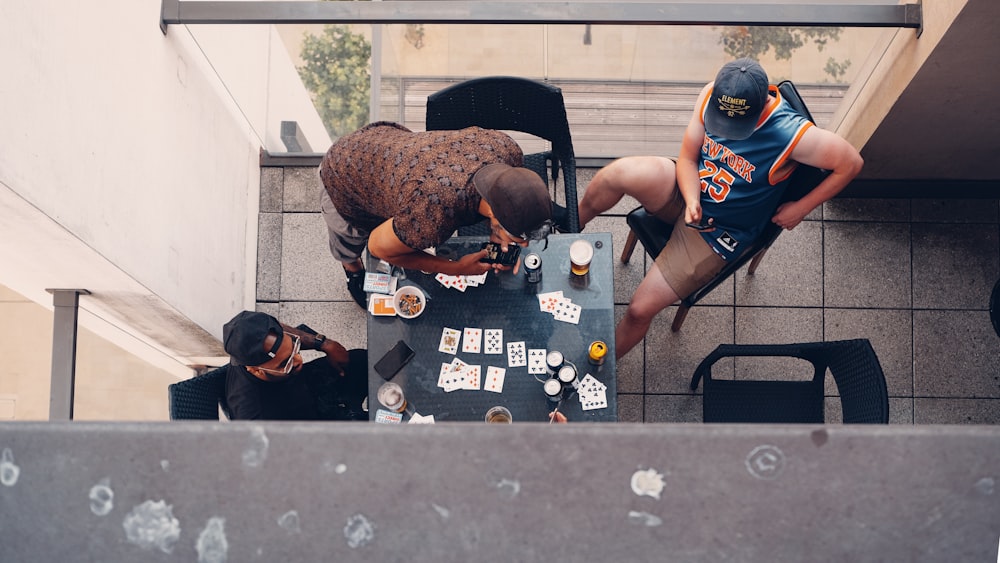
(853, 364)
(509, 103)
(199, 397)
(654, 233)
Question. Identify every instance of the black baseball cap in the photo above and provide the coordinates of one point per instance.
(738, 97)
(243, 338)
(518, 197)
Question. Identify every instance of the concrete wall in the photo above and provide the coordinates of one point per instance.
(129, 167)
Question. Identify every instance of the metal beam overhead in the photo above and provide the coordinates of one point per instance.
(835, 14)
(65, 313)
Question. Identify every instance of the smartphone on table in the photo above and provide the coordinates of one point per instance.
(394, 360)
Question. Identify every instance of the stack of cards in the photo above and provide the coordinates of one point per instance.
(560, 307)
(460, 282)
(593, 393)
(376, 282)
(460, 375)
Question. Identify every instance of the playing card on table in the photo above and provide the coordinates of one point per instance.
(568, 312)
(596, 401)
(472, 340)
(493, 341)
(593, 393)
(460, 283)
(445, 280)
(475, 281)
(536, 361)
(547, 301)
(516, 355)
(452, 376)
(449, 340)
(494, 379)
(472, 376)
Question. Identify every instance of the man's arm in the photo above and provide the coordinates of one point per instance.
(826, 150)
(383, 243)
(689, 159)
(335, 352)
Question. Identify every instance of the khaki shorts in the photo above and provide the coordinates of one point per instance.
(687, 262)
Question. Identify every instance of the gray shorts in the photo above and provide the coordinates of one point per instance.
(687, 262)
(347, 243)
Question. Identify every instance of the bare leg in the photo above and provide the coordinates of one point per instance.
(649, 179)
(652, 296)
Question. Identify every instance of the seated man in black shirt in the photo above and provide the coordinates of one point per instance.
(267, 379)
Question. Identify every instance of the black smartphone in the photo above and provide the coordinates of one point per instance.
(496, 255)
(705, 226)
(394, 360)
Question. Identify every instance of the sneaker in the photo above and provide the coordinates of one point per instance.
(356, 286)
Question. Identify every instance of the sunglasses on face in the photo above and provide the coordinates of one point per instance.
(286, 367)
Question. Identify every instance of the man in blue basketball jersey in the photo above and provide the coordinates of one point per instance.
(740, 147)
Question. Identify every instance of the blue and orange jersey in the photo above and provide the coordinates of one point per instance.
(740, 181)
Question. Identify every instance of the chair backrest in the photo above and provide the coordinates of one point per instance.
(852, 363)
(801, 182)
(199, 397)
(514, 104)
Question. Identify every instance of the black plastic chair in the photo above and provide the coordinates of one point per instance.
(853, 364)
(654, 233)
(200, 397)
(510, 103)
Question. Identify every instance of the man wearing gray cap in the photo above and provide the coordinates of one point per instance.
(739, 149)
(267, 379)
(400, 192)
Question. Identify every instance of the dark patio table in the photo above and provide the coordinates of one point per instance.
(506, 301)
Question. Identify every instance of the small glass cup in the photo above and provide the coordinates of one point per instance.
(581, 253)
(391, 396)
(498, 415)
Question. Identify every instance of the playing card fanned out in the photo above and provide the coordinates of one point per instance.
(547, 301)
(592, 393)
(561, 307)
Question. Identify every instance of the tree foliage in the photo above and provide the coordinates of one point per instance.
(756, 41)
(337, 69)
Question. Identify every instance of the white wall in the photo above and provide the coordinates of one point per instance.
(123, 150)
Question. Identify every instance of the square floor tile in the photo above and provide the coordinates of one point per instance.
(630, 407)
(758, 325)
(308, 270)
(955, 210)
(863, 209)
(271, 192)
(344, 322)
(303, 188)
(790, 272)
(866, 265)
(671, 357)
(955, 354)
(956, 411)
(673, 408)
(269, 256)
(954, 266)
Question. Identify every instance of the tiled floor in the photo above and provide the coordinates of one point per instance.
(913, 276)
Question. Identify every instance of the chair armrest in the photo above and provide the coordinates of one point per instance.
(806, 351)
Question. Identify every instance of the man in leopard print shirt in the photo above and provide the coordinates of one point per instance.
(400, 191)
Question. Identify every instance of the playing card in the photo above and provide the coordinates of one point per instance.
(516, 356)
(547, 301)
(460, 283)
(568, 312)
(596, 401)
(445, 280)
(449, 340)
(472, 340)
(536, 361)
(452, 375)
(473, 376)
(494, 379)
(475, 281)
(493, 341)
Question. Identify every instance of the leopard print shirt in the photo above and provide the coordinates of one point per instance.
(422, 180)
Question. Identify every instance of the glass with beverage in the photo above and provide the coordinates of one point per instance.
(391, 396)
(581, 252)
(498, 415)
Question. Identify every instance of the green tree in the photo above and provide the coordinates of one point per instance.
(337, 69)
(755, 41)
